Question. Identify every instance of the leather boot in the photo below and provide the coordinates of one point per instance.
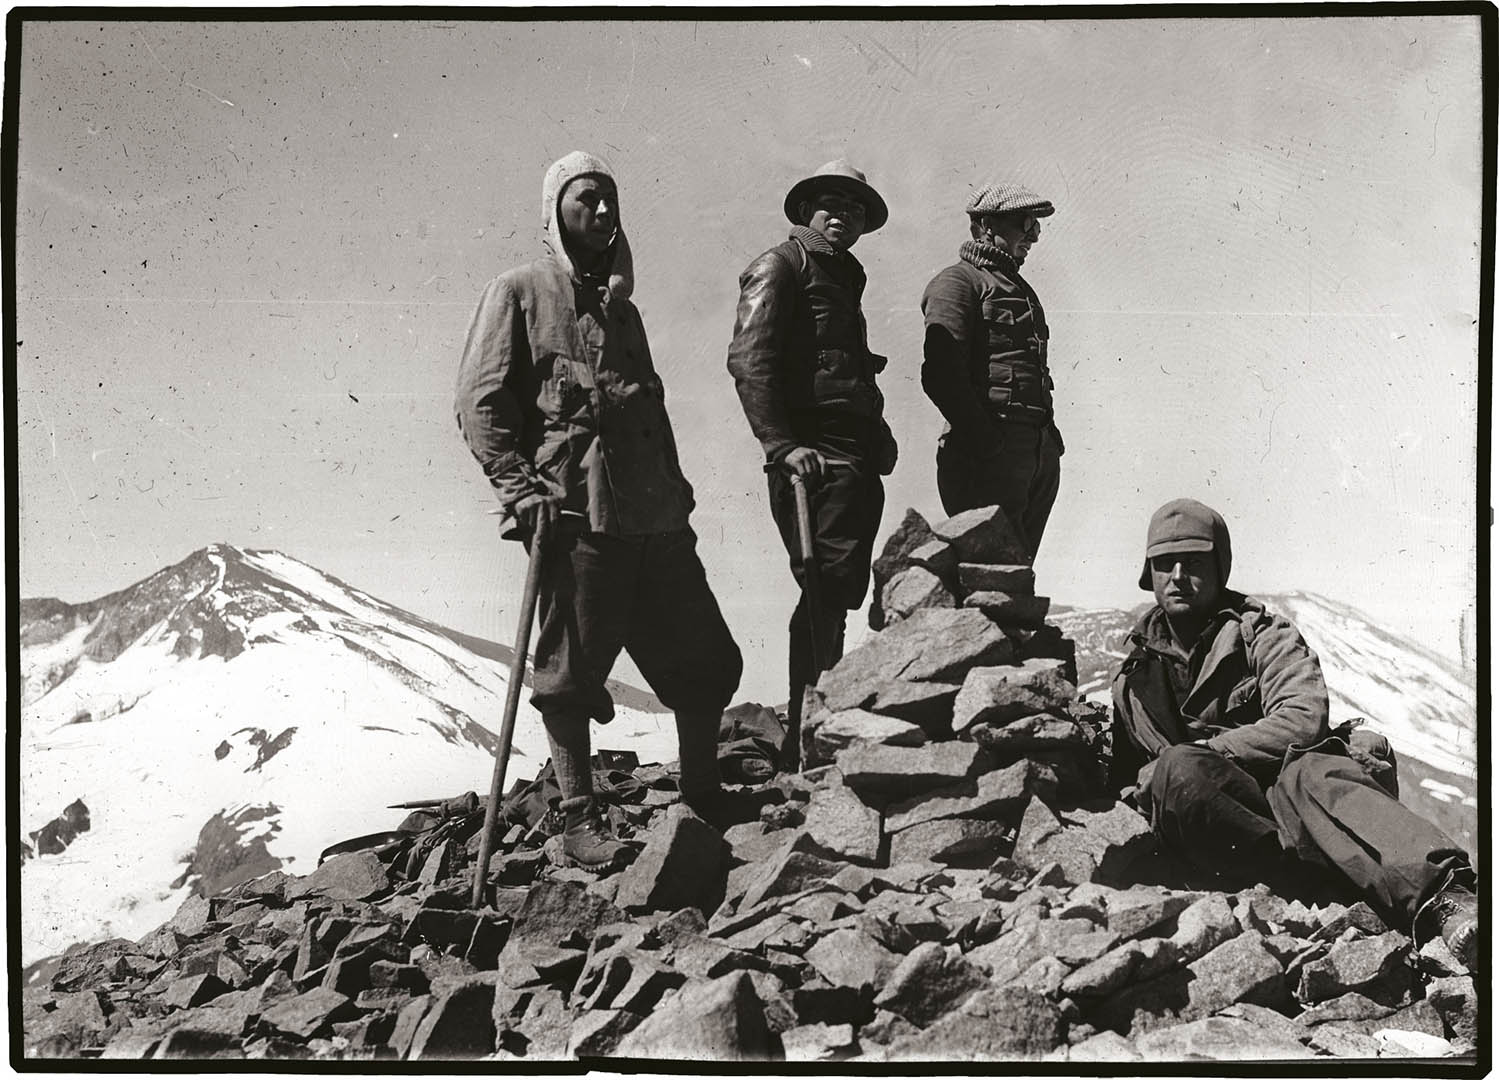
(587, 840)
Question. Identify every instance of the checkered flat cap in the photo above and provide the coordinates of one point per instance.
(1007, 198)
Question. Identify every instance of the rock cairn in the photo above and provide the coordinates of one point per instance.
(945, 881)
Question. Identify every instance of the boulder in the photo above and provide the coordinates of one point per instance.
(912, 532)
(792, 871)
(929, 983)
(1356, 965)
(853, 959)
(993, 796)
(1008, 610)
(1132, 912)
(680, 866)
(818, 1042)
(934, 645)
(1006, 1024)
(1204, 925)
(597, 1032)
(722, 1020)
(1219, 1038)
(913, 589)
(982, 535)
(1241, 969)
(1088, 845)
(560, 913)
(928, 705)
(840, 826)
(1017, 580)
(356, 875)
(882, 771)
(960, 841)
(459, 1024)
(1456, 1001)
(998, 695)
(835, 731)
(1073, 941)
(307, 1013)
(1335, 1040)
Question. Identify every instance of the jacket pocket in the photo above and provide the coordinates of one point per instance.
(565, 391)
(1242, 705)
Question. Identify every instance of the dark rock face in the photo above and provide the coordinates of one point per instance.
(222, 859)
(54, 837)
(947, 881)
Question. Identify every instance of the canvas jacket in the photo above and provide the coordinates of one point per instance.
(1258, 692)
(557, 394)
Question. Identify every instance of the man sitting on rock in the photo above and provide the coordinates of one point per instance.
(1221, 723)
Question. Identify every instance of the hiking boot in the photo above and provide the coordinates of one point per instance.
(587, 841)
(1452, 914)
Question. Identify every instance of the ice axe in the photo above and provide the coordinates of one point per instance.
(539, 540)
(811, 587)
(791, 755)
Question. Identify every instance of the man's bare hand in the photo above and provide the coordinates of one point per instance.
(1142, 788)
(530, 510)
(806, 462)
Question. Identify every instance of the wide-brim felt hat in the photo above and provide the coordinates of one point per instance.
(841, 177)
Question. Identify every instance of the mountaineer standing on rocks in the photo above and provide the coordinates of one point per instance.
(806, 378)
(985, 368)
(1221, 725)
(560, 403)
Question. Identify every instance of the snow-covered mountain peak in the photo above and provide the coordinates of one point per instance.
(241, 693)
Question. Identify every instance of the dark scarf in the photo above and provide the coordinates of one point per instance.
(987, 256)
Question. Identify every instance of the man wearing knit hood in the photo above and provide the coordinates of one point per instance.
(1221, 736)
(985, 368)
(560, 403)
(806, 379)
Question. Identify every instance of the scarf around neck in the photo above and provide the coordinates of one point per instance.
(988, 256)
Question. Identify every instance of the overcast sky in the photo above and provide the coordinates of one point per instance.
(247, 255)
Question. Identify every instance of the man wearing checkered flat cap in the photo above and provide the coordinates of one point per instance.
(805, 375)
(985, 368)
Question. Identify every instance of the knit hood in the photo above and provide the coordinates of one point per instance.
(563, 171)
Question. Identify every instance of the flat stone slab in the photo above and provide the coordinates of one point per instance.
(886, 770)
(1017, 580)
(997, 695)
(935, 645)
(949, 840)
(840, 825)
(843, 729)
(678, 867)
(992, 796)
(1008, 609)
(982, 535)
(914, 589)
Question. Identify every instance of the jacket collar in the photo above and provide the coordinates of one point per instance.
(1152, 634)
(988, 256)
(814, 241)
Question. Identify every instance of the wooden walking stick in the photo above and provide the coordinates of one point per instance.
(512, 700)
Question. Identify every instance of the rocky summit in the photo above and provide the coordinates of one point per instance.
(947, 880)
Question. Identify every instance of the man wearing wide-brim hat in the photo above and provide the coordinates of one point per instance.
(985, 368)
(806, 378)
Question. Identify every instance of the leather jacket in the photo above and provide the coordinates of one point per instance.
(800, 343)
